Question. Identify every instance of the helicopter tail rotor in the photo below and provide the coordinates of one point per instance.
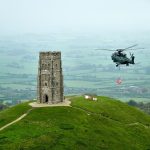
(132, 58)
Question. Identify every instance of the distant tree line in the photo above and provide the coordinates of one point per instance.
(143, 106)
(3, 106)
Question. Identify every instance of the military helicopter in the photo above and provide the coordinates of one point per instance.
(120, 58)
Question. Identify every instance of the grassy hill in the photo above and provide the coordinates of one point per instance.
(87, 125)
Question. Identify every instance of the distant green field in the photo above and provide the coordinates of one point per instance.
(79, 84)
(1, 95)
(83, 66)
(17, 86)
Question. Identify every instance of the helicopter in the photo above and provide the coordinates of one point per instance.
(120, 58)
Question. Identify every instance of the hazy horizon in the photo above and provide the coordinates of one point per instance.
(35, 16)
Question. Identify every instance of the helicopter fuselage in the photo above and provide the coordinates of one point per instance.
(120, 59)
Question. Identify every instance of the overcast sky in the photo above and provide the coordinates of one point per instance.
(44, 16)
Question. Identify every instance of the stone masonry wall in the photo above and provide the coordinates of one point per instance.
(50, 78)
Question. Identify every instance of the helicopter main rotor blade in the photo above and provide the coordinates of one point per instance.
(137, 48)
(134, 49)
(130, 47)
(104, 49)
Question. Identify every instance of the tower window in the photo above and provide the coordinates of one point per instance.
(45, 84)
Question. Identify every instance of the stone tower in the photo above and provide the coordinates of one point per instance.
(50, 78)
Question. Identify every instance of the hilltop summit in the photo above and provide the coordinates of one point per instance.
(88, 125)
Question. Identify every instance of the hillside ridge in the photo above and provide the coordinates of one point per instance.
(88, 125)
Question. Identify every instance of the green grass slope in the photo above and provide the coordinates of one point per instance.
(12, 113)
(87, 125)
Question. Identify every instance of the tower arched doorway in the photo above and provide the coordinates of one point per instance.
(45, 98)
